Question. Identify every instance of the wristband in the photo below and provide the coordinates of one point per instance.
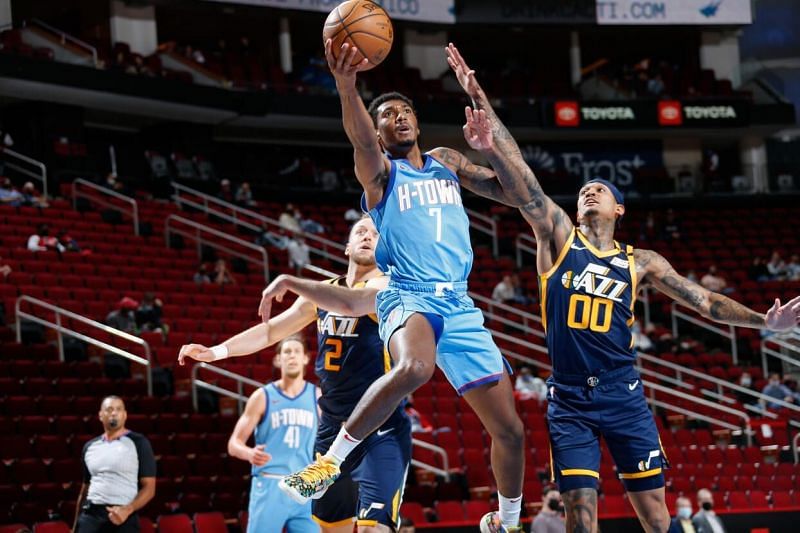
(220, 351)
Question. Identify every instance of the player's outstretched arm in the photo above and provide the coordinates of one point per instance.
(342, 300)
(652, 268)
(252, 340)
(237, 443)
(371, 166)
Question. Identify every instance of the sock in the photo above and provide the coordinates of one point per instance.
(509, 510)
(342, 446)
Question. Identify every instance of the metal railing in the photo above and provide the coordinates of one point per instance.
(241, 399)
(524, 243)
(133, 210)
(781, 342)
(200, 229)
(486, 225)
(61, 330)
(65, 38)
(36, 169)
(729, 334)
(251, 220)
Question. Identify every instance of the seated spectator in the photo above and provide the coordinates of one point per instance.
(714, 282)
(225, 192)
(776, 266)
(31, 197)
(352, 215)
(67, 243)
(9, 195)
(149, 312)
(202, 275)
(655, 85)
(520, 296)
(640, 340)
(288, 221)
(671, 230)
(793, 268)
(244, 196)
(41, 241)
(775, 389)
(123, 317)
(691, 275)
(5, 270)
(419, 422)
(307, 225)
(277, 239)
(745, 381)
(222, 274)
(298, 253)
(504, 292)
(529, 386)
(758, 271)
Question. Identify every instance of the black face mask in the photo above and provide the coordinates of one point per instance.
(707, 506)
(553, 504)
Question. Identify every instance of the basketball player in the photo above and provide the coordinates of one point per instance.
(426, 317)
(588, 284)
(350, 357)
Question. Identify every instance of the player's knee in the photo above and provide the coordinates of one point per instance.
(414, 373)
(657, 521)
(511, 434)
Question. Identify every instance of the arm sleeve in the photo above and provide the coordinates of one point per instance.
(147, 461)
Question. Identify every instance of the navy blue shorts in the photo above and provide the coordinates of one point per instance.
(616, 410)
(370, 487)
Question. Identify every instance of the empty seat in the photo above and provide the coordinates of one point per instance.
(176, 523)
(210, 523)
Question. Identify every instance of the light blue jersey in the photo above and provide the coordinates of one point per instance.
(288, 429)
(423, 226)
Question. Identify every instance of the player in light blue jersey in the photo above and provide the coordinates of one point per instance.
(588, 284)
(282, 418)
(426, 317)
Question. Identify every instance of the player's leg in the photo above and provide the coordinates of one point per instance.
(269, 508)
(580, 507)
(651, 508)
(336, 510)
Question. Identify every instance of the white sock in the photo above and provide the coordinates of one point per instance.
(509, 510)
(342, 446)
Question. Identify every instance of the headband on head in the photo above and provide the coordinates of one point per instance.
(618, 196)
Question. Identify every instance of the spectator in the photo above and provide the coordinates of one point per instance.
(5, 269)
(551, 518)
(41, 241)
(288, 221)
(776, 266)
(31, 197)
(225, 192)
(419, 422)
(123, 317)
(119, 474)
(504, 291)
(746, 381)
(640, 339)
(352, 215)
(683, 516)
(307, 225)
(691, 275)
(758, 271)
(222, 274)
(149, 313)
(406, 526)
(655, 85)
(775, 389)
(298, 253)
(202, 276)
(714, 282)
(9, 195)
(529, 386)
(705, 519)
(269, 238)
(793, 268)
(519, 291)
(66, 243)
(244, 196)
(671, 230)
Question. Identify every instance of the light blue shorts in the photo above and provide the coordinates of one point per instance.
(270, 510)
(465, 350)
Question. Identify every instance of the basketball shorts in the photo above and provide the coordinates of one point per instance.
(465, 350)
(369, 489)
(271, 510)
(612, 407)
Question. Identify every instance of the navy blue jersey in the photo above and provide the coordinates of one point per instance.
(423, 225)
(349, 358)
(587, 300)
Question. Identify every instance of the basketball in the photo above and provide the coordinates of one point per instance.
(362, 24)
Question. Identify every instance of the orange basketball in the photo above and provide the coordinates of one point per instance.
(362, 24)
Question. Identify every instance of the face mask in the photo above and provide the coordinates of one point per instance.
(746, 382)
(553, 504)
(113, 423)
(685, 512)
(707, 506)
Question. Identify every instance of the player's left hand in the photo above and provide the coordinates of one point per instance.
(274, 291)
(783, 317)
(478, 130)
(464, 74)
(118, 514)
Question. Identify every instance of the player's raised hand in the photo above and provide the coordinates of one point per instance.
(197, 352)
(783, 317)
(257, 456)
(478, 130)
(342, 66)
(464, 74)
(274, 291)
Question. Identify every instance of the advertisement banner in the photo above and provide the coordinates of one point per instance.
(527, 12)
(701, 12)
(441, 11)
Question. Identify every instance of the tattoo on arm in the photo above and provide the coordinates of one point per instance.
(478, 179)
(723, 309)
(581, 510)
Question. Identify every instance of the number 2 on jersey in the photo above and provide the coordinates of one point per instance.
(335, 353)
(436, 212)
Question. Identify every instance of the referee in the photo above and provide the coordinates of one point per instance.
(119, 471)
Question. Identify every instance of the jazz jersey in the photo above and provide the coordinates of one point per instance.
(423, 226)
(587, 301)
(288, 429)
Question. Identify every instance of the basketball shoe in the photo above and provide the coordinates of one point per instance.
(490, 523)
(312, 481)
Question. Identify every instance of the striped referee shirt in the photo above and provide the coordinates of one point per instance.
(112, 468)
